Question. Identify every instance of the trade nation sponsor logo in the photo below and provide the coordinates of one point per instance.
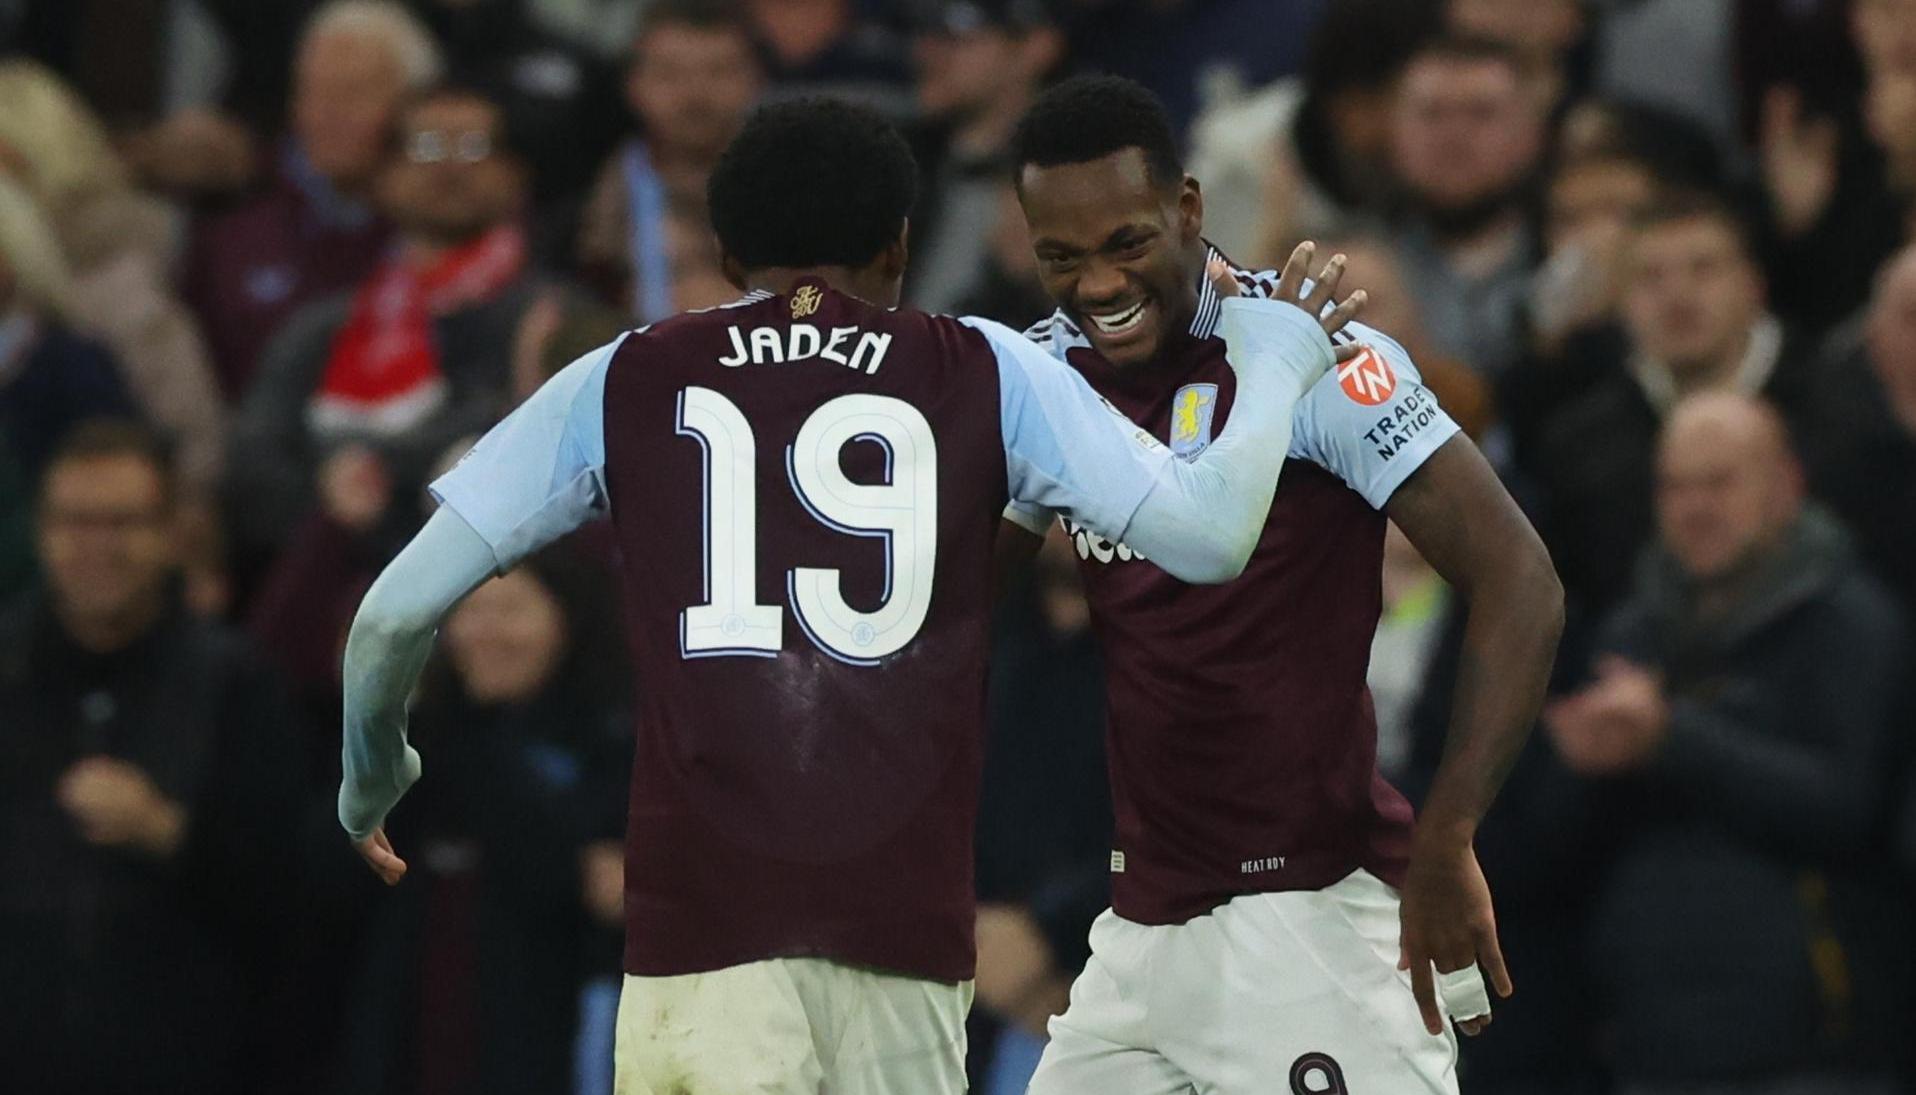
(1367, 378)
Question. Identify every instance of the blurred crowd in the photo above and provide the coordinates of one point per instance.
(265, 267)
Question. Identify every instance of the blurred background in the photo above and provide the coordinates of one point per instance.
(266, 264)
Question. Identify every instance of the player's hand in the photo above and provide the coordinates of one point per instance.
(1322, 291)
(378, 853)
(1448, 922)
(1017, 977)
(116, 805)
(1290, 285)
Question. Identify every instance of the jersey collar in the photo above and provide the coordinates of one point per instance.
(1210, 307)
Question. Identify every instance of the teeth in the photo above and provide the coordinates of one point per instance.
(1121, 322)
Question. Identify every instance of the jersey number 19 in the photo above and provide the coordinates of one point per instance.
(902, 511)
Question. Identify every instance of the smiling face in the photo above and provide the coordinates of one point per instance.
(1119, 252)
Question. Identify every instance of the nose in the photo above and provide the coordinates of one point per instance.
(1100, 282)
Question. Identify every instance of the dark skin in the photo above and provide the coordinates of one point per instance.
(880, 281)
(1108, 235)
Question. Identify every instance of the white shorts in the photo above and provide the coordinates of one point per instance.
(790, 1026)
(1270, 993)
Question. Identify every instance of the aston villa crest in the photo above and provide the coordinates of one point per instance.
(1191, 412)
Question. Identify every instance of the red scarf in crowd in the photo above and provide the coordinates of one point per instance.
(383, 376)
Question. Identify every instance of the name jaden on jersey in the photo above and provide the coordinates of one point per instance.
(851, 347)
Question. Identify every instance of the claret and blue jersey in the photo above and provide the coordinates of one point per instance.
(805, 490)
(1242, 738)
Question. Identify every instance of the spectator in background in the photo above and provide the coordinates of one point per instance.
(1467, 138)
(1575, 340)
(314, 232)
(1859, 440)
(1694, 320)
(375, 385)
(148, 801)
(50, 378)
(472, 970)
(1740, 719)
(560, 100)
(1044, 816)
(1309, 155)
(1885, 34)
(1551, 37)
(693, 76)
(980, 65)
(827, 47)
(1009, 289)
(1839, 192)
(1675, 148)
(121, 247)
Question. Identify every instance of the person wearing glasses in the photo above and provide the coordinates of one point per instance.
(359, 394)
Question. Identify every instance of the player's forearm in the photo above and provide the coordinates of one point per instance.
(390, 640)
(1514, 619)
(1203, 519)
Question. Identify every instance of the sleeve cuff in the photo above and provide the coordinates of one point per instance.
(1278, 332)
(1034, 519)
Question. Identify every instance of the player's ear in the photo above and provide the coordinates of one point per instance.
(733, 270)
(898, 255)
(1190, 209)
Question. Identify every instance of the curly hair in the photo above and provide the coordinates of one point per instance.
(812, 182)
(1088, 118)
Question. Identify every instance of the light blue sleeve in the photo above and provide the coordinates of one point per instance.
(1371, 422)
(540, 473)
(1066, 449)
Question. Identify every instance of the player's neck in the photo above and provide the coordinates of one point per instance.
(864, 285)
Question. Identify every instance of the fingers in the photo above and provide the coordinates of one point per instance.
(1222, 279)
(378, 853)
(1473, 1027)
(1348, 351)
(1290, 282)
(1337, 318)
(1490, 956)
(1324, 289)
(1423, 985)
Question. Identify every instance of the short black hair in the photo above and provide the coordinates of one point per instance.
(812, 182)
(1679, 204)
(1088, 118)
(109, 438)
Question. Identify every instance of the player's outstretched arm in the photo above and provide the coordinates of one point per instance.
(1070, 452)
(531, 479)
(391, 638)
(1279, 348)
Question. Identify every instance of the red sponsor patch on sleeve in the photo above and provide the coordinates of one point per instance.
(1367, 378)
